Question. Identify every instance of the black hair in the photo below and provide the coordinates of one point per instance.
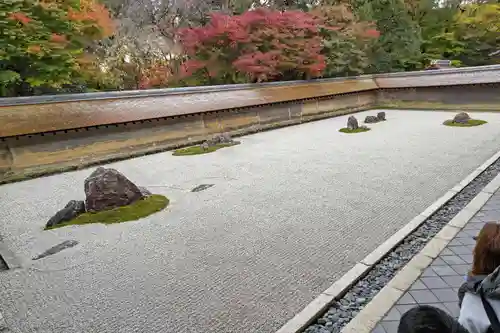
(429, 319)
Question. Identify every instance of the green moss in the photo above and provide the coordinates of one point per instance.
(470, 123)
(358, 130)
(135, 211)
(197, 150)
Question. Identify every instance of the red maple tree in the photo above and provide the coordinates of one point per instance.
(259, 45)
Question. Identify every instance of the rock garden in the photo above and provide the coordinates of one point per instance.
(110, 197)
(217, 142)
(375, 119)
(462, 119)
(353, 126)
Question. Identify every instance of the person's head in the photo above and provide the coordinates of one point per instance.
(428, 319)
(487, 250)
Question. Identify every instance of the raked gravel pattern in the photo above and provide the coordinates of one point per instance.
(346, 308)
(291, 210)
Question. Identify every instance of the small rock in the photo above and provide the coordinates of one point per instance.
(201, 187)
(321, 321)
(69, 212)
(213, 141)
(334, 317)
(107, 189)
(381, 116)
(332, 310)
(371, 119)
(205, 145)
(225, 138)
(461, 118)
(352, 123)
(360, 300)
(58, 248)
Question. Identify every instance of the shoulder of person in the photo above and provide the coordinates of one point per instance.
(472, 314)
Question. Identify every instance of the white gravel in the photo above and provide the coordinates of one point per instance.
(291, 211)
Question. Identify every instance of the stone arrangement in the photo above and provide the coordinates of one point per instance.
(461, 118)
(220, 139)
(375, 119)
(217, 142)
(105, 189)
(352, 123)
(353, 126)
(72, 209)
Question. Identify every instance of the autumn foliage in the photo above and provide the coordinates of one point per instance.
(155, 76)
(258, 45)
(95, 15)
(51, 36)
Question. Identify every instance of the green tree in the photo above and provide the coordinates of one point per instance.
(41, 42)
(345, 40)
(398, 47)
(436, 20)
(478, 30)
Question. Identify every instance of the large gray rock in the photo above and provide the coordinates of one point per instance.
(381, 116)
(371, 119)
(352, 123)
(462, 118)
(69, 212)
(107, 189)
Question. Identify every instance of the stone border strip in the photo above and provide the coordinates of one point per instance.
(374, 311)
(366, 320)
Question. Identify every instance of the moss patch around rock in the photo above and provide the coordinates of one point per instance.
(470, 123)
(135, 211)
(197, 150)
(358, 130)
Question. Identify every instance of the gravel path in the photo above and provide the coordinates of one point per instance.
(290, 211)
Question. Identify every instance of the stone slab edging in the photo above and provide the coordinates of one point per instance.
(374, 311)
(371, 314)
